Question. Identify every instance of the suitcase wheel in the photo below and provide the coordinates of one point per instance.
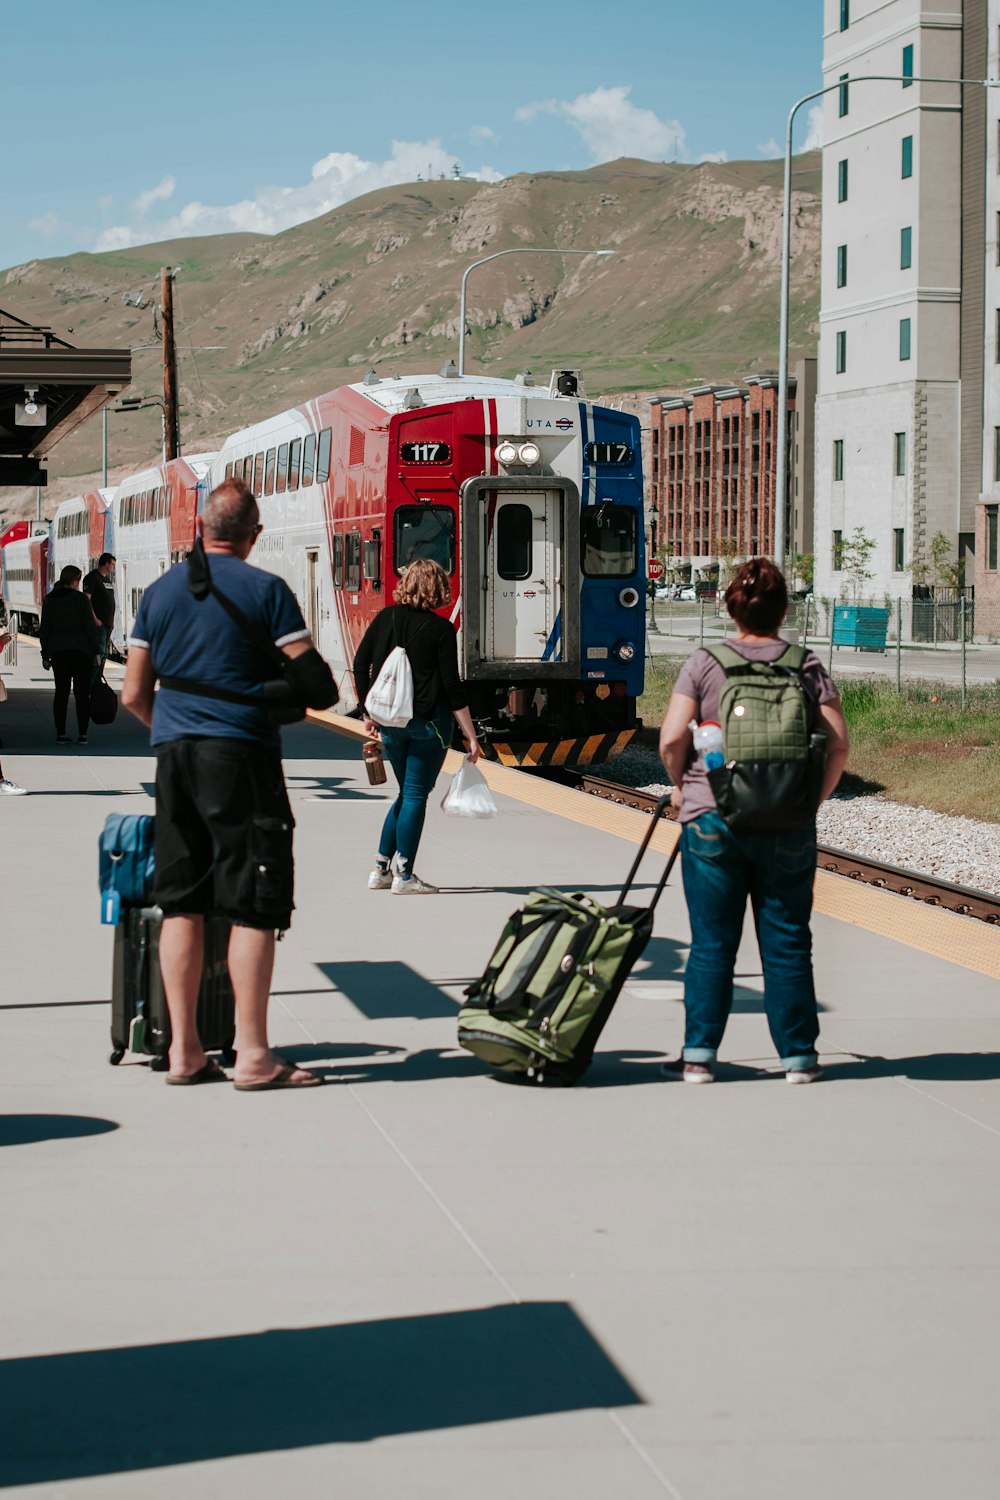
(116, 1056)
(229, 1056)
(159, 1065)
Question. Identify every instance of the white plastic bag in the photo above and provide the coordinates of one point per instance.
(469, 796)
(390, 697)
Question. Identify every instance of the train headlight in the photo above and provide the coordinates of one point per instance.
(629, 598)
(624, 650)
(529, 453)
(506, 453)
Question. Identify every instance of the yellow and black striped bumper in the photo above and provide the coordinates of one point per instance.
(590, 750)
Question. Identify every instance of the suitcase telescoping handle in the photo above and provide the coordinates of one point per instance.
(658, 812)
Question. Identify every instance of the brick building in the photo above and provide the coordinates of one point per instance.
(713, 467)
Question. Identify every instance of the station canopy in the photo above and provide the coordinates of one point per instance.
(47, 389)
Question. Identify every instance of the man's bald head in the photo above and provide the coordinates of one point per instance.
(230, 514)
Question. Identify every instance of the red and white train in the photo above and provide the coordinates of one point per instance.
(529, 497)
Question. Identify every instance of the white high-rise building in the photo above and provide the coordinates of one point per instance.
(905, 409)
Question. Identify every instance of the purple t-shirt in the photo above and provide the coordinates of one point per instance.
(702, 679)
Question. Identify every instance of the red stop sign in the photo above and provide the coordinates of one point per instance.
(654, 568)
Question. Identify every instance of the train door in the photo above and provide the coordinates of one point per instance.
(311, 601)
(521, 547)
(520, 576)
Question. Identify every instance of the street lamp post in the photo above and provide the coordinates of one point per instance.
(781, 475)
(514, 250)
(143, 403)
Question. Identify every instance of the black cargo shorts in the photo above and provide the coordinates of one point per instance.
(223, 832)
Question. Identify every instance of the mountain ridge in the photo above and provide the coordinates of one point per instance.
(690, 296)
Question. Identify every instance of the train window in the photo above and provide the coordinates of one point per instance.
(308, 458)
(352, 561)
(338, 560)
(513, 541)
(281, 475)
(269, 473)
(372, 558)
(258, 476)
(323, 457)
(248, 469)
(294, 454)
(229, 471)
(609, 541)
(424, 531)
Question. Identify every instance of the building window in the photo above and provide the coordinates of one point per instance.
(838, 551)
(841, 265)
(991, 538)
(842, 181)
(899, 454)
(845, 14)
(841, 352)
(996, 455)
(843, 94)
(998, 239)
(905, 248)
(907, 156)
(908, 66)
(904, 338)
(838, 458)
(996, 338)
(897, 548)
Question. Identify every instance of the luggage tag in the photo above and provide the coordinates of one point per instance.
(111, 907)
(137, 1034)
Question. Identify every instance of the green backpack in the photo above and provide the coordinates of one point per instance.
(774, 760)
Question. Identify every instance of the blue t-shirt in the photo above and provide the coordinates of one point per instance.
(195, 638)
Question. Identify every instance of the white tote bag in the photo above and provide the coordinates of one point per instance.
(390, 697)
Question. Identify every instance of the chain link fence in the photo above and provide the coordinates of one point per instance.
(953, 640)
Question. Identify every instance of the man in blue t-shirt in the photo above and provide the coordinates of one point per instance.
(223, 821)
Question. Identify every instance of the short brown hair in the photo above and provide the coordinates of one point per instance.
(757, 598)
(424, 585)
(230, 513)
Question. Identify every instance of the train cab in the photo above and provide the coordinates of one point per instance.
(81, 531)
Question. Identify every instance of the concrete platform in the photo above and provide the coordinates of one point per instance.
(422, 1281)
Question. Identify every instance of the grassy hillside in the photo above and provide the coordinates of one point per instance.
(690, 295)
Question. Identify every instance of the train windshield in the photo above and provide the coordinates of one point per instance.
(609, 541)
(425, 531)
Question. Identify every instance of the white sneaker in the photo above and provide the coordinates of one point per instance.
(804, 1075)
(413, 886)
(380, 879)
(11, 789)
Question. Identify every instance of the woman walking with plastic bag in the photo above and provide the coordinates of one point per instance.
(415, 750)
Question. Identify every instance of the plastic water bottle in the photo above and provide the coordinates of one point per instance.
(708, 743)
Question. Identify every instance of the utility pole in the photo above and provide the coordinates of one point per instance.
(171, 425)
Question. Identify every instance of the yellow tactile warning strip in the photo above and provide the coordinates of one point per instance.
(960, 940)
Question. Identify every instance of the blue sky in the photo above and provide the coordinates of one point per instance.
(131, 122)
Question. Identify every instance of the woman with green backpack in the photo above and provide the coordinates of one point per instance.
(748, 815)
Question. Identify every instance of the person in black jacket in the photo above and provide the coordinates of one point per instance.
(415, 752)
(71, 642)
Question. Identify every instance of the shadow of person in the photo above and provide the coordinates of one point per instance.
(931, 1067)
(25, 1130)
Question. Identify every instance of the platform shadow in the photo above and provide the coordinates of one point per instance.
(385, 1065)
(26, 1130)
(388, 990)
(72, 1415)
(331, 789)
(931, 1067)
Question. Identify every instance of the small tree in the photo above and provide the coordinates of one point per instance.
(856, 551)
(728, 553)
(803, 569)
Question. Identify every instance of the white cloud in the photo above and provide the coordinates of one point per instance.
(158, 194)
(483, 133)
(814, 133)
(715, 156)
(334, 179)
(770, 149)
(610, 125)
(46, 225)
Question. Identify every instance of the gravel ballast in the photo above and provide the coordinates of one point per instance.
(953, 848)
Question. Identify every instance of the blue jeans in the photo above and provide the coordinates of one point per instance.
(721, 869)
(416, 754)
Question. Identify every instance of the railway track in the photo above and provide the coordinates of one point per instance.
(967, 903)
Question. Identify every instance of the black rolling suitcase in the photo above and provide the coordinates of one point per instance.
(139, 1019)
(554, 976)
